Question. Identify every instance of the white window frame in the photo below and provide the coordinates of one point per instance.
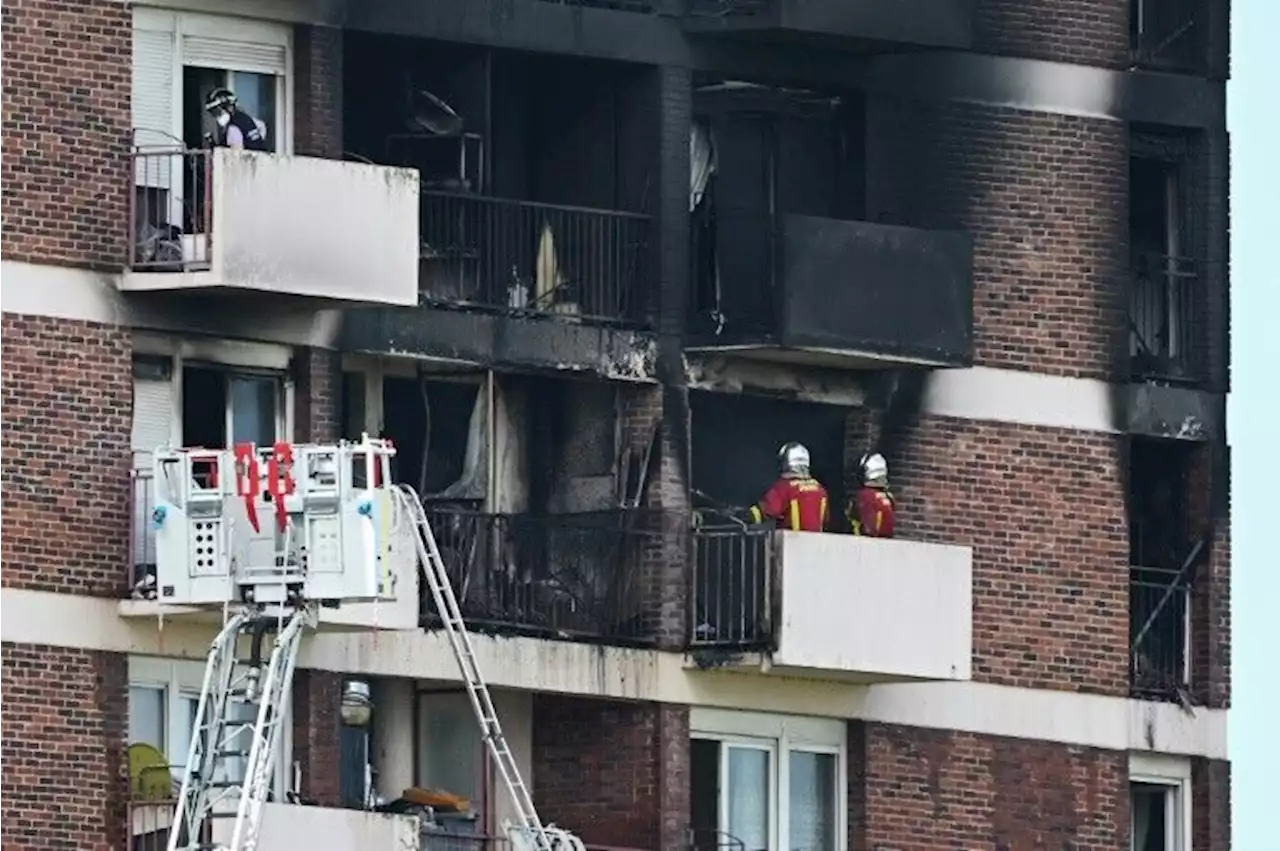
(781, 735)
(1174, 774)
(226, 28)
(185, 678)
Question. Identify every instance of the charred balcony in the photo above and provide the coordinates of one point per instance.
(866, 24)
(784, 269)
(535, 241)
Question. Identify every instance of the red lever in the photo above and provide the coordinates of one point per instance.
(247, 480)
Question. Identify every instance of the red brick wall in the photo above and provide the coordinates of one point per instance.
(65, 775)
(1085, 32)
(1044, 512)
(1210, 805)
(63, 171)
(613, 773)
(1045, 199)
(940, 789)
(1211, 592)
(317, 92)
(67, 412)
(316, 745)
(317, 375)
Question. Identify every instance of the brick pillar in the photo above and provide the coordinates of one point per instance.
(317, 376)
(1209, 516)
(317, 93)
(1210, 805)
(614, 773)
(65, 781)
(316, 742)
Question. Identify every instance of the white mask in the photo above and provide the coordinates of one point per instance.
(223, 119)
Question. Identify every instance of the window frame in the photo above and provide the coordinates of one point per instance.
(1173, 774)
(783, 735)
(181, 678)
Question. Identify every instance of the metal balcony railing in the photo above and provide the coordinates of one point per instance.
(644, 7)
(530, 257)
(148, 822)
(142, 536)
(171, 210)
(580, 576)
(734, 586)
(1159, 632)
(1167, 33)
(1166, 318)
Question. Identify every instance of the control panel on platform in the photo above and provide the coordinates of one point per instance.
(283, 524)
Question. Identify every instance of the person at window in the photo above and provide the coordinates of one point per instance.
(236, 128)
(796, 501)
(871, 511)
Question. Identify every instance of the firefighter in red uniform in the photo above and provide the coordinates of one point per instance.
(871, 511)
(796, 501)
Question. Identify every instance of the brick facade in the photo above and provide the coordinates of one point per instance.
(65, 775)
(67, 89)
(1210, 805)
(613, 773)
(1083, 32)
(67, 405)
(317, 92)
(1044, 198)
(317, 376)
(1044, 510)
(317, 696)
(942, 789)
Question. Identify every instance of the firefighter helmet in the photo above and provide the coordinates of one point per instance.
(875, 470)
(793, 459)
(219, 100)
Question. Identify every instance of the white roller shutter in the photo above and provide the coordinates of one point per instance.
(236, 55)
(153, 414)
(154, 104)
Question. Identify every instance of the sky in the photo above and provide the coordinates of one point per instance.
(1255, 354)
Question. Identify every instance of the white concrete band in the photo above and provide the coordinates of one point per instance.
(1114, 723)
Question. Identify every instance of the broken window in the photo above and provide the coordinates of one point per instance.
(1165, 292)
(758, 153)
(1160, 571)
(1168, 33)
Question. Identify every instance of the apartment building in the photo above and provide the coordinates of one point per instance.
(589, 263)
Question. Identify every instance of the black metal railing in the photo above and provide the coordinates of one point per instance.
(708, 839)
(576, 576)
(1166, 318)
(1159, 631)
(149, 822)
(734, 586)
(141, 569)
(171, 210)
(539, 258)
(1167, 33)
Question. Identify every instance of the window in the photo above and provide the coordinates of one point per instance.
(164, 695)
(767, 783)
(451, 755)
(1159, 803)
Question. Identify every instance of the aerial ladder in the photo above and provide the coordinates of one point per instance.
(271, 536)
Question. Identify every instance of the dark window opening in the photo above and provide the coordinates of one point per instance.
(221, 407)
(760, 154)
(536, 170)
(1168, 34)
(704, 796)
(1150, 817)
(1165, 304)
(438, 435)
(1160, 577)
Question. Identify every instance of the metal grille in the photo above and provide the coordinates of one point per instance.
(1165, 311)
(1159, 632)
(733, 587)
(171, 210)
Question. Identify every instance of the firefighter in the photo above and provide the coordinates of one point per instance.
(796, 501)
(236, 128)
(871, 510)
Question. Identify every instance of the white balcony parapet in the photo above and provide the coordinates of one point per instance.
(225, 219)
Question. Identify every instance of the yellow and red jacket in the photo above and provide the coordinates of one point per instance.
(871, 513)
(798, 504)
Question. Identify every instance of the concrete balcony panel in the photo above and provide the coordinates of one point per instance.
(342, 232)
(835, 607)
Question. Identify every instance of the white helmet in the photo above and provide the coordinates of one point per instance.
(793, 458)
(875, 471)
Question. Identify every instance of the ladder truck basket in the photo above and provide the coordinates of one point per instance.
(275, 525)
